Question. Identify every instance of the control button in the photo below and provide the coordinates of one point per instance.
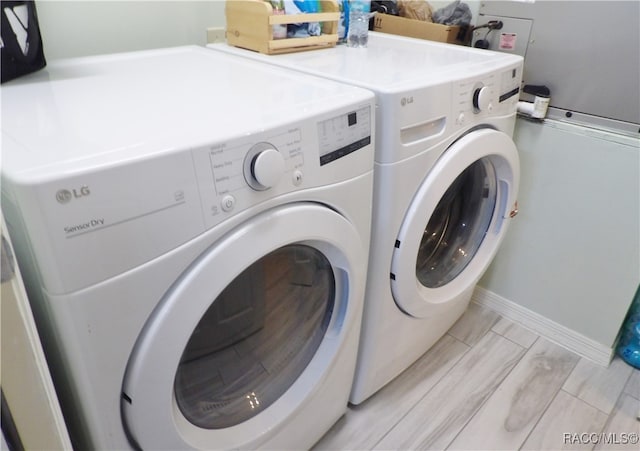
(263, 166)
(482, 98)
(296, 178)
(460, 119)
(268, 167)
(228, 202)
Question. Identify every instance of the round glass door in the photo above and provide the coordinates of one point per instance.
(455, 223)
(247, 333)
(256, 338)
(458, 225)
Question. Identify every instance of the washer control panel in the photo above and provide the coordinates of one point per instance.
(482, 99)
(495, 94)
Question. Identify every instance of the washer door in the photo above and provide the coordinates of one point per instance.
(247, 333)
(455, 222)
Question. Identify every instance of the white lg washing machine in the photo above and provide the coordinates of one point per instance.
(446, 181)
(194, 230)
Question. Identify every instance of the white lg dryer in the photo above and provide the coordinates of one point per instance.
(446, 182)
(193, 229)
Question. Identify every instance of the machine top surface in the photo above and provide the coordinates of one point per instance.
(390, 63)
(89, 112)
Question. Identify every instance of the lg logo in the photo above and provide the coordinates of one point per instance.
(64, 196)
(406, 100)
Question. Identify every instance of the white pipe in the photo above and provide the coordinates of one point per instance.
(537, 109)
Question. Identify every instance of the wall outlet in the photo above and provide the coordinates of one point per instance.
(215, 34)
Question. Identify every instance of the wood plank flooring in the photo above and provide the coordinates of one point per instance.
(490, 384)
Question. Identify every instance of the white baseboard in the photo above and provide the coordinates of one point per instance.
(559, 334)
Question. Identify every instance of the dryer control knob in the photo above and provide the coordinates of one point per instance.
(482, 98)
(267, 167)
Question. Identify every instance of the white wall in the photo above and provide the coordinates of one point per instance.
(88, 27)
(78, 28)
(572, 255)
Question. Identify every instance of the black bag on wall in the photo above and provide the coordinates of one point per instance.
(21, 41)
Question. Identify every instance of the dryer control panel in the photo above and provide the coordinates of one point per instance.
(125, 215)
(339, 136)
(260, 165)
(235, 175)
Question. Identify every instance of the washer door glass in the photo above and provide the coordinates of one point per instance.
(256, 338)
(458, 225)
(454, 223)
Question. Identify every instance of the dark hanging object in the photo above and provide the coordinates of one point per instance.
(21, 49)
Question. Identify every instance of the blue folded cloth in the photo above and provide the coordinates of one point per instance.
(302, 30)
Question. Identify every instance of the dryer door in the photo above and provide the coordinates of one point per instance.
(246, 334)
(455, 222)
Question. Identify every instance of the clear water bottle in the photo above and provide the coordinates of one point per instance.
(358, 32)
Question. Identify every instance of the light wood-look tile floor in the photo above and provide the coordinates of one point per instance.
(490, 384)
